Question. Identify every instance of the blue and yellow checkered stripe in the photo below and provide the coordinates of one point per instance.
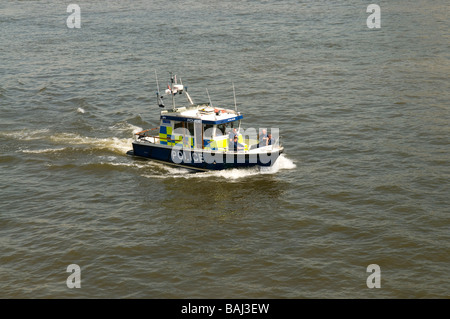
(165, 132)
(215, 145)
(167, 138)
(222, 144)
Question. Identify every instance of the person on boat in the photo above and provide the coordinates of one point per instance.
(270, 140)
(231, 136)
(236, 146)
(263, 138)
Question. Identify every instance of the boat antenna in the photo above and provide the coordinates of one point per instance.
(234, 95)
(187, 94)
(210, 103)
(235, 106)
(172, 91)
(158, 94)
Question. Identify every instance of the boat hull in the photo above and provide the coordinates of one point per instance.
(204, 160)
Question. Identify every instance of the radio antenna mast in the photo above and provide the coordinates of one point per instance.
(158, 94)
(172, 90)
(234, 95)
(210, 103)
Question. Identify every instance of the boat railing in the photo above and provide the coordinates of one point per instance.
(253, 144)
(145, 132)
(146, 135)
(250, 145)
(155, 138)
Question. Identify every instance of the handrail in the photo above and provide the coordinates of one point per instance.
(162, 138)
(145, 131)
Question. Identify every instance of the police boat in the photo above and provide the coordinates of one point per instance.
(204, 137)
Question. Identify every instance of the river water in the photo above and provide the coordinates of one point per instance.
(364, 119)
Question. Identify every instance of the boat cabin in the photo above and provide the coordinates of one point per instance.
(197, 127)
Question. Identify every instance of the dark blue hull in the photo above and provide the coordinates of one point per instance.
(203, 160)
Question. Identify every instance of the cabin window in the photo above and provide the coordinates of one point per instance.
(190, 127)
(178, 125)
(221, 129)
(185, 125)
(208, 130)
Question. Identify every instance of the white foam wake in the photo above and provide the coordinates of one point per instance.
(26, 134)
(281, 163)
(230, 174)
(115, 144)
(126, 127)
(45, 150)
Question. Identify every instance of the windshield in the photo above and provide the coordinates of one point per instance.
(225, 128)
